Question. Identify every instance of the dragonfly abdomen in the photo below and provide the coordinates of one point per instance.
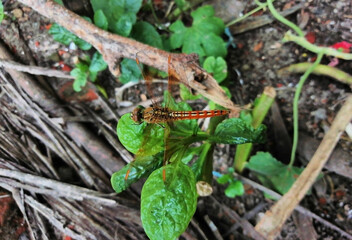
(160, 115)
(184, 115)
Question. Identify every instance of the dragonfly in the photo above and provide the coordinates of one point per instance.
(157, 114)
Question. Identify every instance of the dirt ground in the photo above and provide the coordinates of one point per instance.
(253, 64)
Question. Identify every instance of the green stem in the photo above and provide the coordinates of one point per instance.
(289, 36)
(246, 15)
(321, 69)
(282, 19)
(259, 112)
(207, 163)
(295, 105)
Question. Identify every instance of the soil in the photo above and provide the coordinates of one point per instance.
(253, 64)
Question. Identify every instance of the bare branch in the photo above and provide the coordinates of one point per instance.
(114, 47)
(34, 69)
(274, 218)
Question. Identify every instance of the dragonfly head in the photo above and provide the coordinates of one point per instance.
(137, 114)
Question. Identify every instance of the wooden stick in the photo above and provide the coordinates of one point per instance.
(270, 225)
(114, 47)
(34, 69)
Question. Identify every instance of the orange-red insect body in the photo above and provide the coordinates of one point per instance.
(163, 114)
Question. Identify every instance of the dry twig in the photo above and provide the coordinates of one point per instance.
(273, 220)
(34, 69)
(114, 47)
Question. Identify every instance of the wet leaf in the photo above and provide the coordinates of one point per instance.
(146, 33)
(234, 189)
(130, 71)
(141, 167)
(216, 66)
(144, 139)
(168, 206)
(100, 20)
(80, 72)
(237, 131)
(64, 36)
(273, 173)
(120, 14)
(203, 37)
(97, 64)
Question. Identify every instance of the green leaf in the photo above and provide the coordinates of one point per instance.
(80, 72)
(181, 4)
(143, 139)
(62, 35)
(168, 206)
(130, 71)
(96, 65)
(203, 37)
(1, 12)
(145, 32)
(100, 20)
(234, 189)
(224, 178)
(216, 66)
(141, 167)
(236, 131)
(272, 172)
(247, 117)
(120, 14)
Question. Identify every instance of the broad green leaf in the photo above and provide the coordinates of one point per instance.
(130, 71)
(120, 14)
(234, 189)
(64, 36)
(224, 178)
(96, 65)
(265, 164)
(168, 206)
(145, 32)
(143, 139)
(178, 37)
(216, 66)
(100, 20)
(236, 131)
(181, 4)
(141, 167)
(273, 173)
(1, 12)
(80, 72)
(203, 37)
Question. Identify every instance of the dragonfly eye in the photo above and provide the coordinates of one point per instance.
(137, 114)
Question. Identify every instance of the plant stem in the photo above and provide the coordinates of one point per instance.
(321, 69)
(282, 19)
(289, 36)
(295, 105)
(260, 7)
(259, 112)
